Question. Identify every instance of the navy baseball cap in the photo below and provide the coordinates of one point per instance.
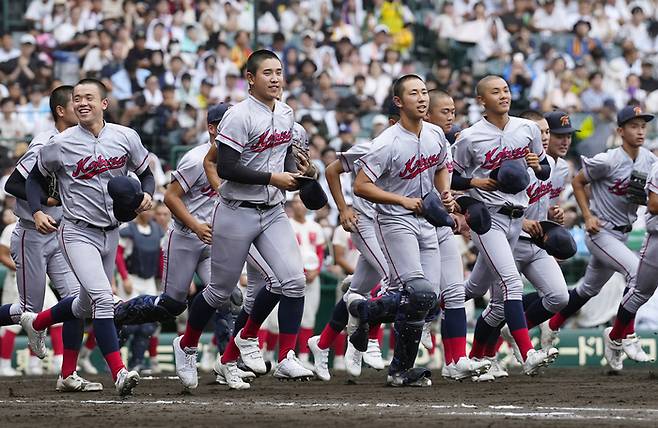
(512, 176)
(311, 193)
(435, 212)
(216, 112)
(476, 214)
(631, 112)
(126, 193)
(559, 123)
(557, 241)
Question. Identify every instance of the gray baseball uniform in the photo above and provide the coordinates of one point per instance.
(609, 176)
(88, 234)
(248, 213)
(478, 150)
(36, 254)
(644, 285)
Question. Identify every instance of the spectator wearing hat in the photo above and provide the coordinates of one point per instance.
(582, 44)
(593, 97)
(375, 49)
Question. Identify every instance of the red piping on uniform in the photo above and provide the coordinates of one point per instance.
(374, 256)
(502, 281)
(615, 260)
(230, 139)
(24, 267)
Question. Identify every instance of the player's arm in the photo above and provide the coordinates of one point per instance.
(442, 184)
(347, 217)
(210, 166)
(536, 157)
(229, 168)
(592, 224)
(5, 258)
(147, 181)
(462, 159)
(34, 186)
(173, 199)
(652, 203)
(15, 186)
(366, 189)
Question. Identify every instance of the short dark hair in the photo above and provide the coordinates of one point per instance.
(255, 59)
(594, 74)
(531, 115)
(479, 88)
(90, 81)
(60, 96)
(5, 100)
(398, 86)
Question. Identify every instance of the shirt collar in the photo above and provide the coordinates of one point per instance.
(262, 105)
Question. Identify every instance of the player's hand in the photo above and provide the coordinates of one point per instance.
(146, 204)
(204, 232)
(448, 201)
(532, 228)
(486, 184)
(556, 213)
(303, 161)
(348, 219)
(52, 202)
(532, 160)
(412, 204)
(592, 225)
(461, 227)
(284, 180)
(45, 224)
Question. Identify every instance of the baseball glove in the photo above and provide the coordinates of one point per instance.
(53, 189)
(636, 193)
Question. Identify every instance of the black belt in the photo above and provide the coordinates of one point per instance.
(93, 226)
(512, 211)
(259, 207)
(623, 229)
(526, 238)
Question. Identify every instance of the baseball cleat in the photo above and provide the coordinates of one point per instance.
(250, 353)
(633, 349)
(75, 383)
(357, 324)
(290, 368)
(126, 382)
(186, 364)
(84, 361)
(426, 336)
(229, 374)
(36, 339)
(268, 366)
(353, 359)
(536, 359)
(418, 377)
(548, 337)
(373, 355)
(446, 371)
(496, 369)
(320, 359)
(612, 350)
(485, 377)
(306, 361)
(507, 335)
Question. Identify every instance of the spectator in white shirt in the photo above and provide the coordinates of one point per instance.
(152, 92)
(636, 30)
(38, 10)
(550, 18)
(374, 50)
(7, 49)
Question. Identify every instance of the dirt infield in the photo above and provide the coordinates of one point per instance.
(566, 397)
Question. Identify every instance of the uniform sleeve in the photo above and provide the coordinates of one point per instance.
(462, 159)
(445, 157)
(27, 161)
(652, 180)
(348, 158)
(535, 144)
(49, 159)
(376, 161)
(188, 172)
(138, 154)
(597, 167)
(232, 130)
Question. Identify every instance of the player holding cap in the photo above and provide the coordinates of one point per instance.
(84, 159)
(507, 146)
(609, 216)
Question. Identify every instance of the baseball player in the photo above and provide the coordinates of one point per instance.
(506, 146)
(535, 263)
(84, 159)
(37, 254)
(257, 163)
(617, 339)
(609, 216)
(406, 164)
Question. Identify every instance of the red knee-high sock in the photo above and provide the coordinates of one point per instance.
(457, 347)
(7, 345)
(492, 348)
(250, 329)
(339, 345)
(286, 343)
(43, 320)
(522, 339)
(153, 346)
(630, 327)
(262, 338)
(447, 350)
(69, 362)
(327, 337)
(375, 331)
(91, 340)
(302, 342)
(231, 353)
(272, 340)
(56, 339)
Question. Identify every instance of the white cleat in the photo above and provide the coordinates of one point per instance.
(229, 374)
(290, 368)
(126, 382)
(250, 353)
(36, 339)
(466, 368)
(373, 355)
(633, 349)
(84, 361)
(186, 364)
(34, 366)
(339, 363)
(536, 359)
(496, 369)
(320, 359)
(75, 383)
(426, 336)
(507, 335)
(613, 351)
(548, 337)
(353, 359)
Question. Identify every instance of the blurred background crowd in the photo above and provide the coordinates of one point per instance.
(166, 61)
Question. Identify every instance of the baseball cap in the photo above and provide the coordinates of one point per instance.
(435, 212)
(311, 193)
(512, 176)
(443, 63)
(557, 241)
(28, 39)
(559, 122)
(381, 28)
(379, 119)
(216, 112)
(126, 193)
(631, 112)
(476, 214)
